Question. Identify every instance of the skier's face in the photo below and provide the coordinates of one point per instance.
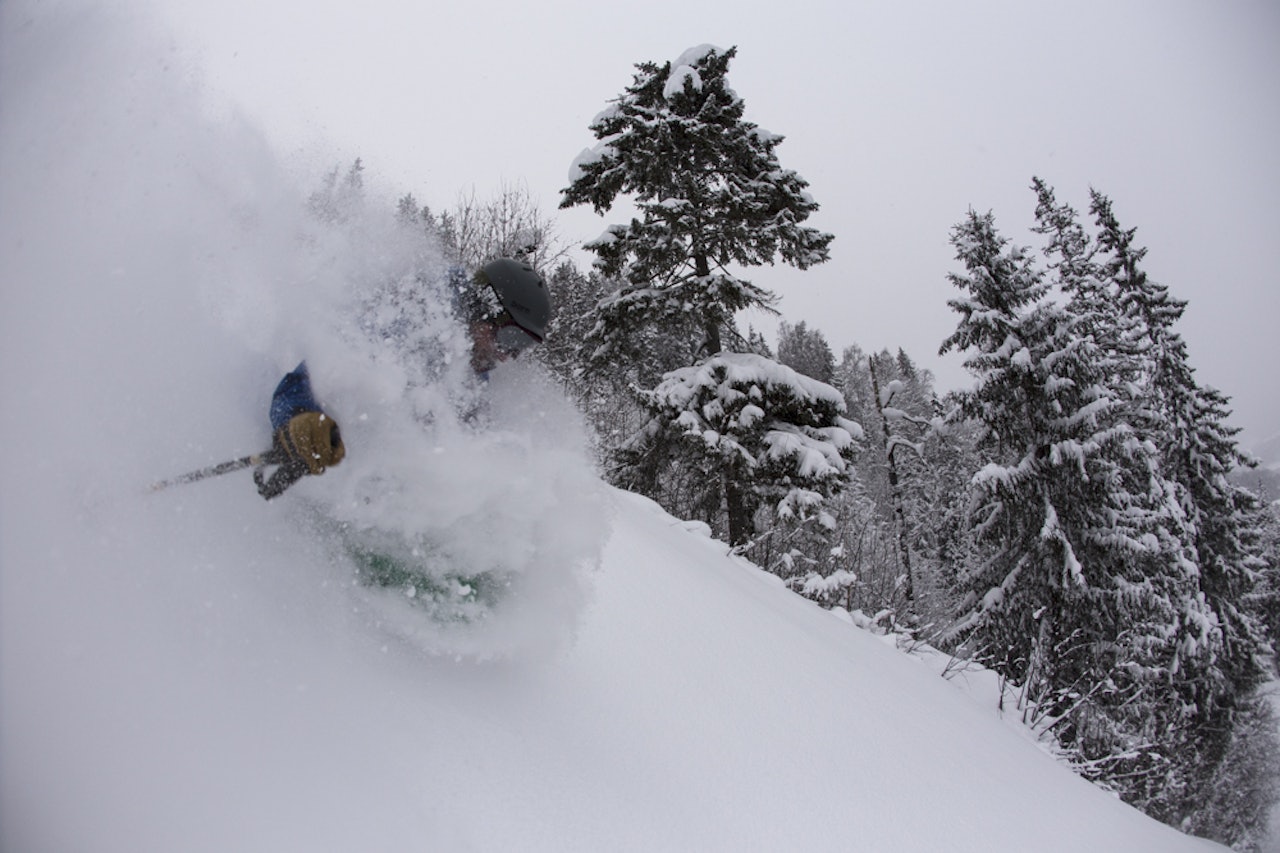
(496, 341)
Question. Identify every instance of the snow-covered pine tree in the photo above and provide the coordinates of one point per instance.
(1002, 310)
(794, 545)
(1198, 450)
(408, 211)
(710, 195)
(806, 351)
(1264, 601)
(338, 201)
(1169, 619)
(1091, 304)
(780, 435)
(756, 343)
(1077, 596)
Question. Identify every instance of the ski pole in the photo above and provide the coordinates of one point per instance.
(212, 471)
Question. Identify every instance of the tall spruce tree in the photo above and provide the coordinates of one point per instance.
(806, 351)
(1199, 448)
(1121, 560)
(711, 196)
(1198, 451)
(338, 201)
(710, 193)
(1083, 581)
(1175, 625)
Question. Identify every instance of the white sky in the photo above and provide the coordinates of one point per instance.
(901, 116)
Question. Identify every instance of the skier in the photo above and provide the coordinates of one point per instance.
(304, 441)
(506, 311)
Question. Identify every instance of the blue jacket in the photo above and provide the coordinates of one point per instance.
(292, 396)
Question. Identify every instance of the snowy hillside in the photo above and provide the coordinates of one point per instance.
(700, 708)
(194, 670)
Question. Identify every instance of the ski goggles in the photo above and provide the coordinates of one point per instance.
(510, 337)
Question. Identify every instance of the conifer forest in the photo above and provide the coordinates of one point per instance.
(1074, 519)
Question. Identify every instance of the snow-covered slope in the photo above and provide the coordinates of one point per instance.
(701, 707)
(193, 670)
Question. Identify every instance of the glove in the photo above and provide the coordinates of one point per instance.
(307, 444)
(313, 438)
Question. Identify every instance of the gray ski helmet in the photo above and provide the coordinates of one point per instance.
(522, 293)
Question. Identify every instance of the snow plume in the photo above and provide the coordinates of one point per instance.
(161, 272)
(498, 511)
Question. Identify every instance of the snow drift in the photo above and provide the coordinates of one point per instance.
(196, 670)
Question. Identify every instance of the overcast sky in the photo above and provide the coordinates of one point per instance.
(900, 115)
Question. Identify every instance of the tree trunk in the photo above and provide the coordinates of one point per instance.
(712, 345)
(741, 528)
(895, 490)
(741, 525)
